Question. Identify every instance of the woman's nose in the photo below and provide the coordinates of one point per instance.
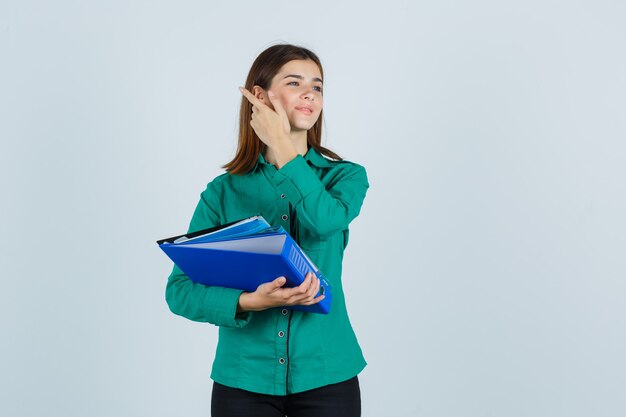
(308, 94)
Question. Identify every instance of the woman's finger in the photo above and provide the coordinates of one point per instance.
(311, 291)
(278, 108)
(314, 287)
(306, 284)
(279, 281)
(301, 290)
(318, 299)
(314, 300)
(252, 99)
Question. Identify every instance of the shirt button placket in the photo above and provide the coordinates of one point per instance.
(282, 338)
(284, 205)
(281, 347)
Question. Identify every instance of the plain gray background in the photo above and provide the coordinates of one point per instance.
(484, 276)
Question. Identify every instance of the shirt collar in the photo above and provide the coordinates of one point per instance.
(311, 156)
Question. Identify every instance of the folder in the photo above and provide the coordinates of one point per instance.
(243, 255)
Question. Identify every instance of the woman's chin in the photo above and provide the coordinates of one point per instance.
(302, 124)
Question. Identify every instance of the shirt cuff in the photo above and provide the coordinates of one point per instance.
(296, 180)
(222, 302)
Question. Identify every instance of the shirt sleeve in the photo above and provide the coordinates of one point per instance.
(322, 211)
(198, 302)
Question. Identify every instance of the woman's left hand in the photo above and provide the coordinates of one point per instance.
(271, 125)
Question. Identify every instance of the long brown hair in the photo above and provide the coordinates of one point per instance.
(263, 70)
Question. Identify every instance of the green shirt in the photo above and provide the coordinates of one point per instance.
(281, 351)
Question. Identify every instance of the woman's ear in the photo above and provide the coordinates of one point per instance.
(260, 93)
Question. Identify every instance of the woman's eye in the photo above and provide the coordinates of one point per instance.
(295, 82)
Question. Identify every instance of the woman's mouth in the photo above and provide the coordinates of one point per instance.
(304, 110)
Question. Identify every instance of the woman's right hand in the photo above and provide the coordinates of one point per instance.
(272, 294)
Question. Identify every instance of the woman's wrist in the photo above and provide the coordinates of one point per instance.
(284, 152)
(247, 302)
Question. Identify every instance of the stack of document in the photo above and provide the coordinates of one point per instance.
(243, 255)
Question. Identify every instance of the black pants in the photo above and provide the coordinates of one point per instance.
(335, 400)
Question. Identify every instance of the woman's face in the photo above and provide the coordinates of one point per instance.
(298, 84)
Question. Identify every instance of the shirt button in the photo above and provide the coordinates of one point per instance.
(284, 311)
(281, 333)
(282, 361)
(282, 196)
(285, 217)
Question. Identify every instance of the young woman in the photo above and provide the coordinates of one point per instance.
(271, 360)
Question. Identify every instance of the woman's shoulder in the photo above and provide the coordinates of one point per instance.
(347, 168)
(216, 184)
(226, 181)
(346, 164)
(218, 180)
